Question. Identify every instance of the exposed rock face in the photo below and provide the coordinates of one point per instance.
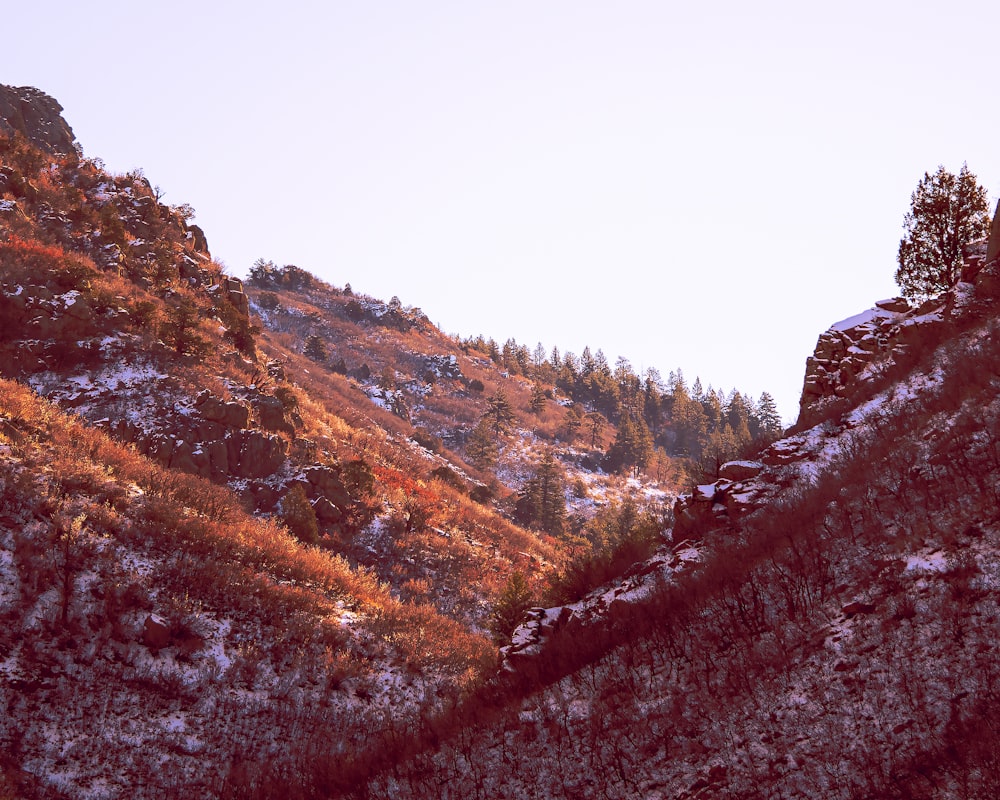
(888, 333)
(588, 616)
(740, 470)
(37, 117)
(741, 489)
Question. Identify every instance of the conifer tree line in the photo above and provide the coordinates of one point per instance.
(649, 413)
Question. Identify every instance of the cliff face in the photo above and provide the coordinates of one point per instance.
(853, 355)
(37, 117)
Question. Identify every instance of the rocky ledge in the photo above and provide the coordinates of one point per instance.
(37, 117)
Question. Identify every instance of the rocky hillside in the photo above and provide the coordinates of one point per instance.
(823, 624)
(283, 538)
(281, 506)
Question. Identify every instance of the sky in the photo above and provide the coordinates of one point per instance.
(695, 186)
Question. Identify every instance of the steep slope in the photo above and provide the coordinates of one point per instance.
(826, 628)
(142, 568)
(214, 550)
(255, 540)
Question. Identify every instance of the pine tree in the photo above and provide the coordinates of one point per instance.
(768, 416)
(542, 500)
(513, 601)
(181, 328)
(315, 348)
(538, 399)
(500, 414)
(482, 446)
(946, 213)
(633, 445)
(571, 425)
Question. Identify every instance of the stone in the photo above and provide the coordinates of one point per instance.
(858, 607)
(271, 414)
(210, 407)
(740, 470)
(265, 497)
(326, 511)
(783, 452)
(233, 288)
(897, 305)
(155, 632)
(37, 117)
(232, 414)
(198, 239)
(256, 454)
(237, 415)
(218, 458)
(324, 481)
(182, 458)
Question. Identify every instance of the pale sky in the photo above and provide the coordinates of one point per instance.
(698, 185)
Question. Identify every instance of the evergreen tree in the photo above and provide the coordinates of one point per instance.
(482, 447)
(946, 213)
(595, 422)
(721, 446)
(509, 610)
(767, 414)
(542, 500)
(538, 399)
(738, 418)
(181, 328)
(633, 445)
(571, 425)
(688, 423)
(315, 348)
(500, 414)
(263, 273)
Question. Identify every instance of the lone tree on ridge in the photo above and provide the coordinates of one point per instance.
(946, 213)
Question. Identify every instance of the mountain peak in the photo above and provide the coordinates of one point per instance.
(36, 116)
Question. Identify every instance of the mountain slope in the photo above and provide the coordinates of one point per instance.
(833, 633)
(269, 539)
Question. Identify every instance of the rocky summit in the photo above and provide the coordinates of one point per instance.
(36, 116)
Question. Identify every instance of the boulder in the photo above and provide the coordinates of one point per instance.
(182, 458)
(897, 305)
(324, 481)
(271, 414)
(231, 414)
(252, 454)
(233, 288)
(740, 470)
(265, 497)
(155, 632)
(858, 607)
(218, 458)
(326, 511)
(198, 239)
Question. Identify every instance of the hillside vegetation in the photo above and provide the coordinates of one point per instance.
(260, 513)
(283, 539)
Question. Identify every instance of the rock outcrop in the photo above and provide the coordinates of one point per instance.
(37, 117)
(854, 352)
